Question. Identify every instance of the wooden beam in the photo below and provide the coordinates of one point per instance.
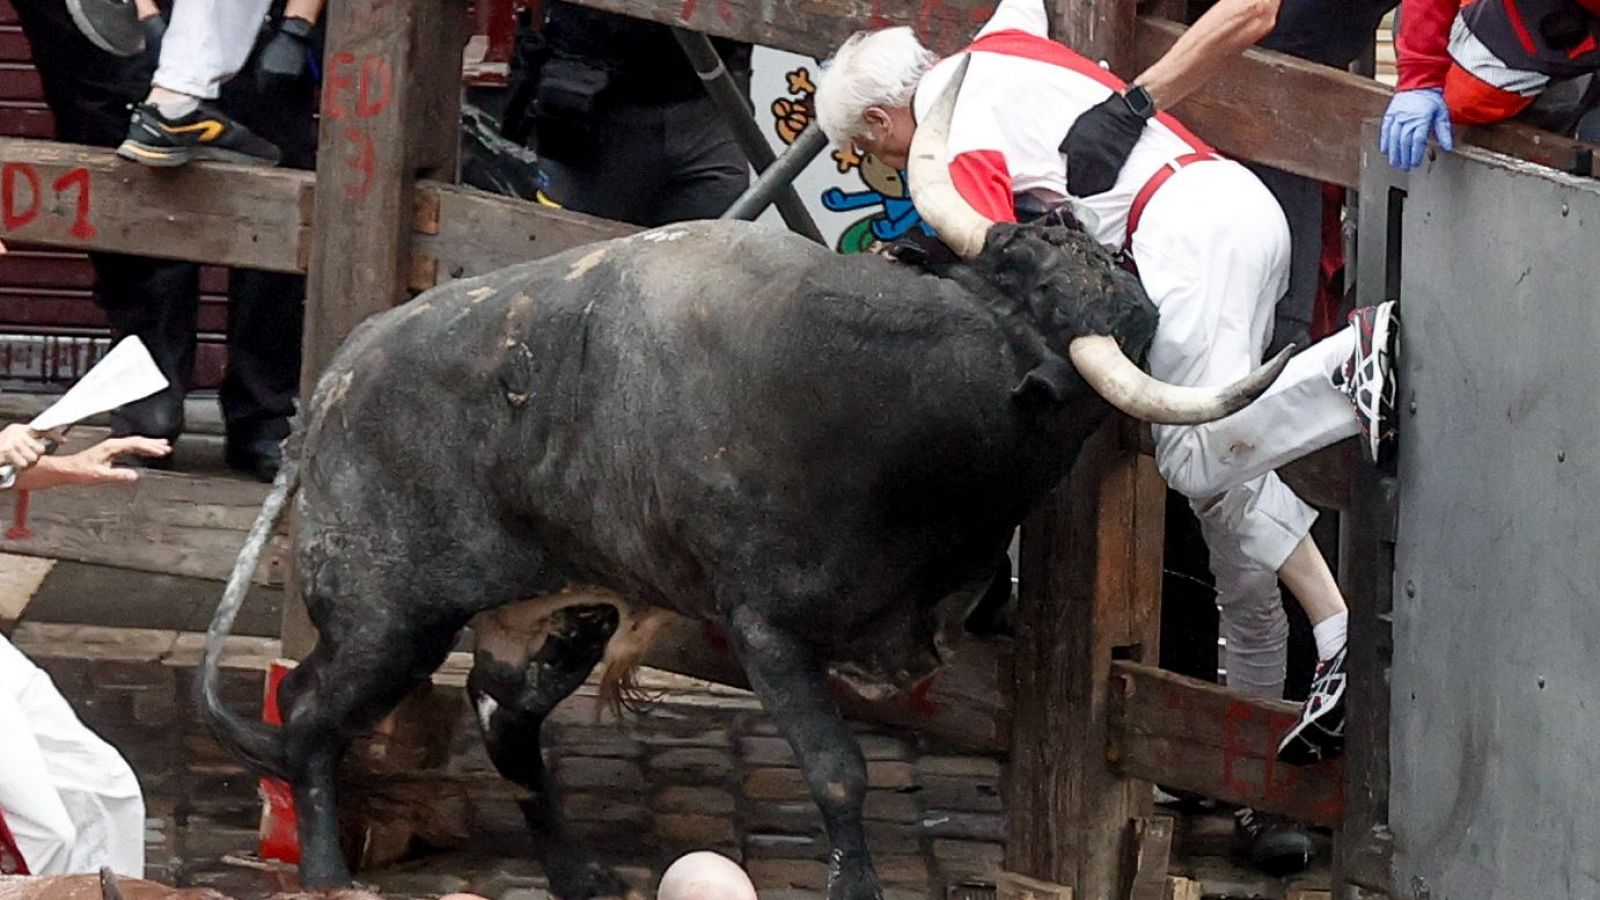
(461, 232)
(86, 198)
(1201, 737)
(1262, 106)
(1091, 558)
(1307, 118)
(1364, 849)
(163, 523)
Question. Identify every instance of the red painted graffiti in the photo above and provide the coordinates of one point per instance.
(363, 161)
(9, 213)
(372, 79)
(22, 197)
(77, 179)
(355, 89)
(724, 10)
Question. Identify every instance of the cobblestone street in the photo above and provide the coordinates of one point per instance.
(701, 768)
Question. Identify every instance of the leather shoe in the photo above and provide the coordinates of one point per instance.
(259, 458)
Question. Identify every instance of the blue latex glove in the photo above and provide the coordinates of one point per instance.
(1411, 116)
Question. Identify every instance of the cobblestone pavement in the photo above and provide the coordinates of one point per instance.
(702, 768)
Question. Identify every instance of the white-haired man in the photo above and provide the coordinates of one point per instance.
(1212, 250)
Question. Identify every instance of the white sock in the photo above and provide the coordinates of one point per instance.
(1330, 634)
(172, 104)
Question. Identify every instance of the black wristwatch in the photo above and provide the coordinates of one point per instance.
(1138, 100)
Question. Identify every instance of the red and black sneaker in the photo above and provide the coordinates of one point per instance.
(1367, 378)
(1319, 734)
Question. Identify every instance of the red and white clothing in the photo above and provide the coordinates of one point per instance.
(1212, 249)
(1493, 57)
(70, 800)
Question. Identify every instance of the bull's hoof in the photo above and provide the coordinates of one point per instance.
(591, 881)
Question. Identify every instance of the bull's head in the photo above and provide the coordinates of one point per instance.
(1076, 297)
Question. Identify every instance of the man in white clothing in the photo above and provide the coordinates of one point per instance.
(1212, 249)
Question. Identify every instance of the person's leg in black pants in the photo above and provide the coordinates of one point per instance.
(88, 92)
(266, 309)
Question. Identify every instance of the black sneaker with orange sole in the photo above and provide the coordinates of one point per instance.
(204, 133)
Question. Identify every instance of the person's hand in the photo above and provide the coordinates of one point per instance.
(1098, 145)
(20, 446)
(284, 61)
(1411, 116)
(96, 464)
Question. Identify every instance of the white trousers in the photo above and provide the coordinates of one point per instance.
(1213, 254)
(207, 43)
(70, 800)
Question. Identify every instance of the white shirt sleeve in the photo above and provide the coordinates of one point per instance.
(1019, 15)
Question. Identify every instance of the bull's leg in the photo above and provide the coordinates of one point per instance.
(791, 683)
(518, 676)
(349, 682)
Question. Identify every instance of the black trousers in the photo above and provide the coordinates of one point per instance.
(89, 93)
(653, 164)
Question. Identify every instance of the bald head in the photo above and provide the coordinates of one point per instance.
(705, 876)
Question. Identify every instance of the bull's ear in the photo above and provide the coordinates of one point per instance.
(1049, 382)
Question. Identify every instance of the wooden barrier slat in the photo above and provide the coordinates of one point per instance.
(466, 232)
(86, 198)
(163, 523)
(1196, 736)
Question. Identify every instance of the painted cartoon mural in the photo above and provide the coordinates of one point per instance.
(880, 190)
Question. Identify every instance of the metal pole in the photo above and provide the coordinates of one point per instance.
(778, 177)
(735, 110)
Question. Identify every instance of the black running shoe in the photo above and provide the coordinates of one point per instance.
(111, 25)
(1319, 734)
(205, 133)
(1367, 378)
(1270, 843)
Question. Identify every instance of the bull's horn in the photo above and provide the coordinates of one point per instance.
(928, 175)
(1124, 385)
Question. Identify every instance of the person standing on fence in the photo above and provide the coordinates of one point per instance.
(89, 91)
(1211, 248)
(623, 126)
(206, 43)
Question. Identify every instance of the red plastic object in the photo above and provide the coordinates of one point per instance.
(280, 838)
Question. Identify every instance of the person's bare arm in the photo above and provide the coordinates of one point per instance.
(91, 466)
(310, 10)
(1221, 34)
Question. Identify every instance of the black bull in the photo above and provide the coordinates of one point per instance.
(825, 456)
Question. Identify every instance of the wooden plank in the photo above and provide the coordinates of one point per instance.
(1201, 737)
(966, 702)
(1100, 30)
(1150, 843)
(1011, 886)
(63, 195)
(1067, 811)
(1306, 118)
(1263, 106)
(1183, 889)
(165, 523)
(476, 232)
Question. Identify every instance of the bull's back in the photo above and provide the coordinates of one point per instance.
(648, 411)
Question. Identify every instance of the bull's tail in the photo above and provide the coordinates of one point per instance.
(260, 744)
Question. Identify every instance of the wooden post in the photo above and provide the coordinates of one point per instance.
(391, 101)
(1099, 29)
(391, 95)
(1091, 570)
(1364, 846)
